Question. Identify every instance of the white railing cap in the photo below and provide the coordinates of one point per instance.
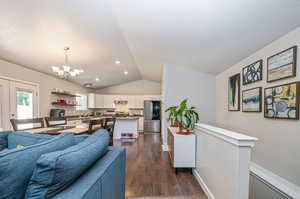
(227, 135)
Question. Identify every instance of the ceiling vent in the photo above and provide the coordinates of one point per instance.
(88, 85)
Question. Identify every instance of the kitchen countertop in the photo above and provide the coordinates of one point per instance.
(134, 117)
(127, 118)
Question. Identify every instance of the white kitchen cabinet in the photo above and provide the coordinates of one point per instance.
(152, 97)
(131, 101)
(109, 101)
(140, 102)
(99, 101)
(95, 100)
(141, 124)
(91, 100)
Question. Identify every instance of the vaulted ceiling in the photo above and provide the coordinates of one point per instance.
(209, 35)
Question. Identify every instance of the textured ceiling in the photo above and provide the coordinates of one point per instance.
(209, 35)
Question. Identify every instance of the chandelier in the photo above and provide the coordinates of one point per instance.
(66, 71)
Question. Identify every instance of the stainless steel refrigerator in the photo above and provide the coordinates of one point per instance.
(152, 116)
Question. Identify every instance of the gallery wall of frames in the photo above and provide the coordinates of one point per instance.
(279, 101)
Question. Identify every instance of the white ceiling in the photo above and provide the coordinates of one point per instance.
(209, 35)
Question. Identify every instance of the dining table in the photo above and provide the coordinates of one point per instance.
(56, 130)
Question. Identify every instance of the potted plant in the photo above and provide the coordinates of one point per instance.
(185, 116)
(172, 116)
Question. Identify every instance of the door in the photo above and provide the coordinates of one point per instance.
(4, 104)
(24, 101)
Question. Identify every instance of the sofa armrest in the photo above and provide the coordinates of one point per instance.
(4, 139)
(104, 180)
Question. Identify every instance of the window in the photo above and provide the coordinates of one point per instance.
(24, 105)
(82, 100)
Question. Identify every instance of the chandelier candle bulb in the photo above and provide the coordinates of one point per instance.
(55, 68)
(67, 68)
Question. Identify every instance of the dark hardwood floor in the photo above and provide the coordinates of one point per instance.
(148, 171)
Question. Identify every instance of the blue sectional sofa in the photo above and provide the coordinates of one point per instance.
(61, 167)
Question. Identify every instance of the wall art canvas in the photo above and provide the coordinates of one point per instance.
(234, 93)
(253, 72)
(282, 101)
(282, 65)
(251, 100)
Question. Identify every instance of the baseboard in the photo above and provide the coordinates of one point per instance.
(164, 147)
(203, 185)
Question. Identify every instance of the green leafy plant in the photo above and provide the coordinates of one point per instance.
(172, 114)
(186, 116)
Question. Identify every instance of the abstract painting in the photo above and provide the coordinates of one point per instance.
(253, 72)
(234, 93)
(251, 100)
(282, 65)
(282, 101)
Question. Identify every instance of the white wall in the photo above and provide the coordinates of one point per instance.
(139, 87)
(179, 83)
(278, 147)
(46, 83)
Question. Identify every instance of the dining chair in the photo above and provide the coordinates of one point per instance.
(95, 125)
(109, 125)
(55, 121)
(26, 124)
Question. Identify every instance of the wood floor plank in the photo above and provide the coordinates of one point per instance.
(149, 172)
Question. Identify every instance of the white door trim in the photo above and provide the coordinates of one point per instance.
(28, 83)
(5, 104)
(20, 81)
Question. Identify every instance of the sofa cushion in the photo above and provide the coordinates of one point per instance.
(79, 138)
(57, 170)
(3, 139)
(17, 165)
(25, 139)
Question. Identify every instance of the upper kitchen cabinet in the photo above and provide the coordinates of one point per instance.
(152, 97)
(136, 101)
(109, 101)
(95, 101)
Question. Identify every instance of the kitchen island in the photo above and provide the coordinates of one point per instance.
(126, 127)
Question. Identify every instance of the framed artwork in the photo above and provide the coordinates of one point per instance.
(282, 65)
(234, 93)
(251, 100)
(282, 101)
(253, 72)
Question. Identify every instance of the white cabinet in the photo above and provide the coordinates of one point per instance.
(140, 102)
(152, 97)
(131, 101)
(141, 124)
(95, 100)
(109, 101)
(91, 100)
(182, 149)
(99, 101)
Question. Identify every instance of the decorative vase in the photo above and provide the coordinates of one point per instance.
(183, 131)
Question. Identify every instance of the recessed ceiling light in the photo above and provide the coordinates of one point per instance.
(97, 79)
(117, 62)
(125, 72)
